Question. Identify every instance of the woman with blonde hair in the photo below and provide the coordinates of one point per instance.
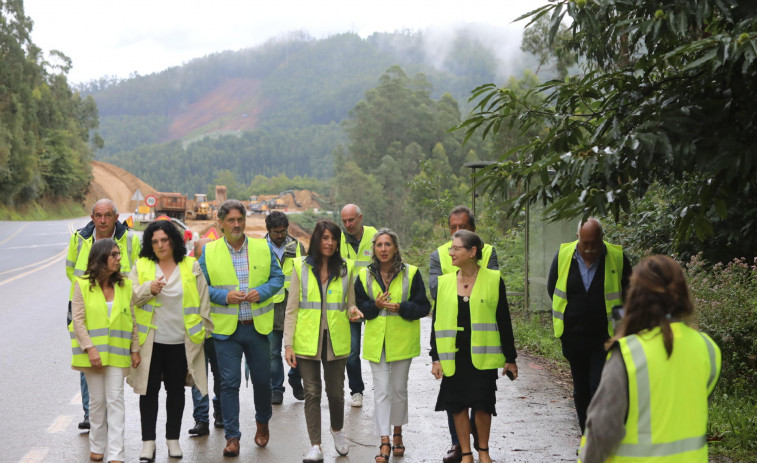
(651, 404)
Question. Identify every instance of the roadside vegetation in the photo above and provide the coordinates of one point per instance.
(43, 210)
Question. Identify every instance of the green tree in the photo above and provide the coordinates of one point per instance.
(665, 96)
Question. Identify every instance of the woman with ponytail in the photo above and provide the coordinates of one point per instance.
(651, 404)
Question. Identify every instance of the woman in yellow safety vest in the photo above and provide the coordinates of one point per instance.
(319, 310)
(471, 339)
(104, 343)
(651, 404)
(392, 298)
(173, 317)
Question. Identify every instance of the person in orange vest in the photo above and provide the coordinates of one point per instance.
(651, 404)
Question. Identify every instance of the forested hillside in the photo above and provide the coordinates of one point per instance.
(47, 132)
(278, 108)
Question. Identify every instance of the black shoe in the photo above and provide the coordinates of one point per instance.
(297, 391)
(200, 429)
(277, 397)
(217, 418)
(84, 424)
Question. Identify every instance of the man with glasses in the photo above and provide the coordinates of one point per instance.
(587, 279)
(104, 224)
(287, 249)
(440, 263)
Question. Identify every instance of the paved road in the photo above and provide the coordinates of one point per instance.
(42, 405)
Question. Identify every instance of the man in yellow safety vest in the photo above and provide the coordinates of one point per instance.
(587, 279)
(243, 275)
(355, 246)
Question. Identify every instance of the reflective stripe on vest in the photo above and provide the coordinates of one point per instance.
(110, 335)
(146, 270)
(306, 332)
(613, 275)
(364, 254)
(445, 261)
(667, 423)
(401, 338)
(223, 276)
(486, 347)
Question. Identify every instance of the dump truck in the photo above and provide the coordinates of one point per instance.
(220, 195)
(171, 204)
(201, 209)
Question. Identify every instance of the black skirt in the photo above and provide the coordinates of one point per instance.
(469, 387)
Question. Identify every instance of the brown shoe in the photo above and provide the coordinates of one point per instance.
(232, 447)
(262, 436)
(95, 456)
(454, 454)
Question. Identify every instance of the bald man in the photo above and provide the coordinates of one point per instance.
(356, 246)
(587, 279)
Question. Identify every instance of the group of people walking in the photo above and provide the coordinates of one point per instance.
(148, 311)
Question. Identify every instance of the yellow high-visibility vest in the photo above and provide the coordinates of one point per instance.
(309, 312)
(402, 338)
(364, 251)
(110, 335)
(190, 301)
(667, 396)
(486, 347)
(222, 275)
(613, 276)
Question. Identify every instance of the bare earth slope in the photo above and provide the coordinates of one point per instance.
(109, 181)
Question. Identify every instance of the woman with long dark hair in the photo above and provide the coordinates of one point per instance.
(472, 338)
(104, 344)
(651, 404)
(320, 307)
(173, 315)
(391, 296)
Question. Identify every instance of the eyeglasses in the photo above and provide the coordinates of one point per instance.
(115, 254)
(458, 248)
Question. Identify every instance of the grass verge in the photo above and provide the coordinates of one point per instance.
(49, 211)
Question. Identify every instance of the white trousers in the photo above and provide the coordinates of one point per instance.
(106, 412)
(389, 394)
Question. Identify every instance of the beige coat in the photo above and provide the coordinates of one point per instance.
(196, 371)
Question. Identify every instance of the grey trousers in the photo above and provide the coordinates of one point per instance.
(333, 374)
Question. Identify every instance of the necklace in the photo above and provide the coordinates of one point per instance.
(465, 285)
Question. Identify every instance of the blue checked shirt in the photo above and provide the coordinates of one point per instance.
(242, 269)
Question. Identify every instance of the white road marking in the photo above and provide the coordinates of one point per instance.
(60, 423)
(42, 262)
(14, 233)
(50, 262)
(35, 455)
(37, 245)
(77, 399)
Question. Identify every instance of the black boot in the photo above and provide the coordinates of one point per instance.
(200, 429)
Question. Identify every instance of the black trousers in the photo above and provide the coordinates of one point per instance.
(586, 368)
(169, 363)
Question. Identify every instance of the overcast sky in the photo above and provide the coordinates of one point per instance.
(118, 37)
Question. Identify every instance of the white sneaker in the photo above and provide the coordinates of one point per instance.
(339, 443)
(174, 451)
(148, 451)
(357, 399)
(314, 455)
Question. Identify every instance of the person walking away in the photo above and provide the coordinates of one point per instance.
(651, 404)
